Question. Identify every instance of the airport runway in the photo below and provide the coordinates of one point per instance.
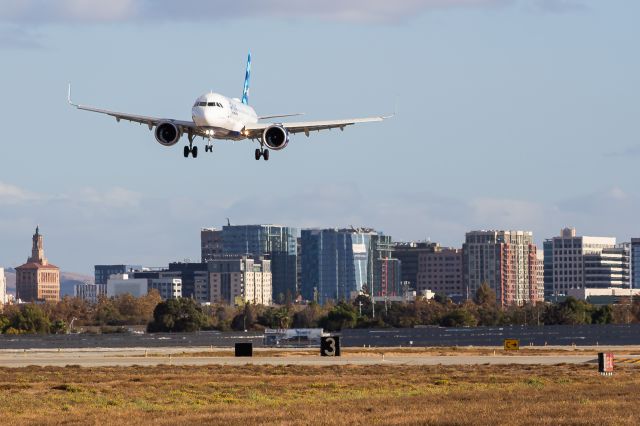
(131, 357)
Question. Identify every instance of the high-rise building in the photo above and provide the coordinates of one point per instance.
(409, 253)
(103, 272)
(3, 287)
(440, 270)
(210, 243)
(548, 269)
(384, 272)
(567, 261)
(635, 262)
(234, 280)
(334, 264)
(90, 292)
(540, 278)
(37, 280)
(505, 260)
(273, 242)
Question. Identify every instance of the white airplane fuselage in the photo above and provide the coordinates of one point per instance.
(224, 116)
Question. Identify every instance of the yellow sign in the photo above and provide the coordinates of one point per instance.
(511, 344)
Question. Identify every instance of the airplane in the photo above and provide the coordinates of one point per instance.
(215, 116)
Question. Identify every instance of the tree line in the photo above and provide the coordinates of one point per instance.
(185, 315)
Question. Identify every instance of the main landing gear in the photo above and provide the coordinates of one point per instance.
(261, 152)
(193, 150)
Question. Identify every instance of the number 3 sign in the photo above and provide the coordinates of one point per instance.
(330, 346)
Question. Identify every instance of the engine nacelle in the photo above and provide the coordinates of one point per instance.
(167, 134)
(275, 137)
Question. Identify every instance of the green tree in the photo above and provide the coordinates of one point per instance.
(177, 315)
(31, 319)
(458, 318)
(59, 327)
(343, 315)
(485, 296)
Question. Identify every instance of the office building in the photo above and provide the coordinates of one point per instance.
(168, 287)
(90, 292)
(567, 261)
(440, 271)
(605, 296)
(608, 268)
(408, 253)
(235, 280)
(506, 261)
(334, 264)
(125, 284)
(189, 273)
(103, 272)
(273, 242)
(38, 280)
(3, 287)
(210, 243)
(635, 263)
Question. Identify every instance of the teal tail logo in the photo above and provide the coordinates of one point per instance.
(247, 77)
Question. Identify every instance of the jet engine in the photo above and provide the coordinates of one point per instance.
(167, 134)
(275, 137)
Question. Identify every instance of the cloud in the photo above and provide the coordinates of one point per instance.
(113, 198)
(92, 11)
(11, 195)
(631, 151)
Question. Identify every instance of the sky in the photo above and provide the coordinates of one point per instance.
(511, 114)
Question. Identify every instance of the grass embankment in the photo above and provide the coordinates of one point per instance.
(570, 394)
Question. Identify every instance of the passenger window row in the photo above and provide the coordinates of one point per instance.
(211, 104)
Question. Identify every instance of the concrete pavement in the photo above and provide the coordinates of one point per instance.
(171, 356)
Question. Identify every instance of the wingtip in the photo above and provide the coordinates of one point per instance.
(69, 96)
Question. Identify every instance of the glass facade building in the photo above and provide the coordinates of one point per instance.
(334, 263)
(273, 242)
(339, 263)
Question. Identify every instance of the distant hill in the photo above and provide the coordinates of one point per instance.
(67, 281)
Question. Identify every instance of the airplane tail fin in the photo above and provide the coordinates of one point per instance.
(247, 77)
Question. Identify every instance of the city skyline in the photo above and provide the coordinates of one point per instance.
(511, 115)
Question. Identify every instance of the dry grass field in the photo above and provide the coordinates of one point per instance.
(164, 395)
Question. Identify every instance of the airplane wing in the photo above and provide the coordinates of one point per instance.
(254, 131)
(185, 126)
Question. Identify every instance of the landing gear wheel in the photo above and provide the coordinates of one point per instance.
(186, 152)
(258, 154)
(194, 152)
(265, 155)
(208, 148)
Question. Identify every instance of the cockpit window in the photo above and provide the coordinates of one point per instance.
(202, 104)
(212, 104)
